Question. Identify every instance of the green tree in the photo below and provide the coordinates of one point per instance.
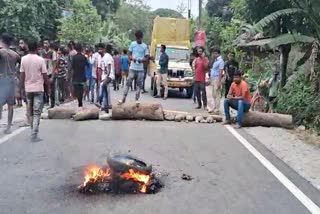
(163, 12)
(132, 17)
(83, 26)
(219, 8)
(30, 19)
(106, 7)
(284, 28)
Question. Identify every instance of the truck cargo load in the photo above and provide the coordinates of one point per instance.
(170, 31)
(175, 34)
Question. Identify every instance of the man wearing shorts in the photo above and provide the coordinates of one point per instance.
(8, 62)
(138, 54)
(125, 63)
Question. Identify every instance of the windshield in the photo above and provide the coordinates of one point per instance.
(175, 54)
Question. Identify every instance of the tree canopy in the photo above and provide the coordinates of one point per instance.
(106, 7)
(163, 12)
(83, 26)
(29, 19)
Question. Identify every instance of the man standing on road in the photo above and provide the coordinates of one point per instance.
(238, 98)
(201, 67)
(8, 62)
(50, 57)
(125, 63)
(97, 67)
(78, 69)
(33, 73)
(107, 78)
(216, 76)
(62, 68)
(117, 70)
(163, 73)
(138, 54)
(230, 68)
(22, 50)
(72, 52)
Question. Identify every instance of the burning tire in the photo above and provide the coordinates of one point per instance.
(123, 163)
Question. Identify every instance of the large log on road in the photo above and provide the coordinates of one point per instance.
(143, 111)
(253, 118)
(61, 112)
(69, 112)
(87, 114)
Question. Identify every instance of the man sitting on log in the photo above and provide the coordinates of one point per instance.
(238, 98)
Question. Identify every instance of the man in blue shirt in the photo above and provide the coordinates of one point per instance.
(163, 72)
(216, 75)
(125, 67)
(138, 54)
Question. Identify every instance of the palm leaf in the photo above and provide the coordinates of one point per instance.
(258, 27)
(283, 39)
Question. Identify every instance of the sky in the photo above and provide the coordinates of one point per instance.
(172, 4)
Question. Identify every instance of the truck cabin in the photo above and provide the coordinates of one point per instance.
(177, 55)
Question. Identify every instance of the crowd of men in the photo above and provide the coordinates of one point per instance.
(44, 74)
(225, 76)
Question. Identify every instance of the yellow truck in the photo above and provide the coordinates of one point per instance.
(175, 34)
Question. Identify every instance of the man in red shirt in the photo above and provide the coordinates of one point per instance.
(201, 67)
(238, 98)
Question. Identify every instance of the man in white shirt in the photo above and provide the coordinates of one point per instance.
(106, 78)
(97, 67)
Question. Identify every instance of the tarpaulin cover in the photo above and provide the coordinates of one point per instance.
(200, 39)
(170, 31)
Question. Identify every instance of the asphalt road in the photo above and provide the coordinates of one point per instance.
(43, 177)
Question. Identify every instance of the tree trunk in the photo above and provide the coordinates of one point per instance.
(144, 111)
(253, 118)
(315, 72)
(61, 112)
(87, 114)
(284, 57)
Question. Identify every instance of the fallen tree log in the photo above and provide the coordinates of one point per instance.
(87, 114)
(254, 118)
(61, 112)
(143, 111)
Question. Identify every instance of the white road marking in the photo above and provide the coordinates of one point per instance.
(305, 200)
(14, 133)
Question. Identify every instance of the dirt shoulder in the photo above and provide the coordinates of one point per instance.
(300, 150)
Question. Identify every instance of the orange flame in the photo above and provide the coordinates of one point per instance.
(94, 174)
(139, 177)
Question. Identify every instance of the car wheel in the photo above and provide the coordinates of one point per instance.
(154, 87)
(189, 92)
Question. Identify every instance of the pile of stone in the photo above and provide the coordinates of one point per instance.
(191, 117)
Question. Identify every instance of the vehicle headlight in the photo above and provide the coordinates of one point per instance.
(188, 73)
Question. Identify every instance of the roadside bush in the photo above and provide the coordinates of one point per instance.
(299, 100)
(260, 72)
